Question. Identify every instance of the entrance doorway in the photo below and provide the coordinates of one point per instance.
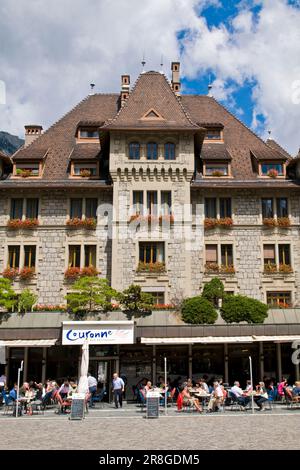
(102, 370)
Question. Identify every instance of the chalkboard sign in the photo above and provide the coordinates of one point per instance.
(77, 406)
(153, 404)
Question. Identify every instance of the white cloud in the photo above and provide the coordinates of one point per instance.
(50, 52)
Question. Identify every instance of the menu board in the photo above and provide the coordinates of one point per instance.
(152, 404)
(77, 406)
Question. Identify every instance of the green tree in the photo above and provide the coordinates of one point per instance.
(198, 310)
(8, 297)
(238, 308)
(213, 291)
(26, 301)
(136, 303)
(90, 294)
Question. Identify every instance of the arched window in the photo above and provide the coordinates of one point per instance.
(152, 151)
(169, 151)
(134, 151)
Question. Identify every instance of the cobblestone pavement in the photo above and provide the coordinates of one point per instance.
(128, 429)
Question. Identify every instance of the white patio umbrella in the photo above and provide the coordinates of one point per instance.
(83, 381)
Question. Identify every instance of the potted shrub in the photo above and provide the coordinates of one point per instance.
(269, 222)
(210, 223)
(239, 308)
(225, 222)
(198, 310)
(10, 273)
(283, 222)
(26, 273)
(273, 173)
(72, 274)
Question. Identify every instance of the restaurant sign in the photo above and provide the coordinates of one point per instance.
(98, 332)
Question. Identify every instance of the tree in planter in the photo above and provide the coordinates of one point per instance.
(8, 297)
(136, 303)
(198, 310)
(91, 294)
(238, 308)
(213, 291)
(27, 299)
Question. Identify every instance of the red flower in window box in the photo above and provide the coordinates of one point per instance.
(50, 308)
(72, 273)
(285, 268)
(270, 268)
(167, 218)
(10, 273)
(89, 271)
(151, 267)
(17, 224)
(27, 273)
(88, 223)
(283, 222)
(24, 173)
(85, 173)
(14, 224)
(273, 173)
(211, 267)
(163, 307)
(30, 223)
(218, 173)
(227, 269)
(269, 222)
(225, 222)
(210, 223)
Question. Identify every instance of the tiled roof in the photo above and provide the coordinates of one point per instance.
(5, 157)
(35, 153)
(267, 153)
(214, 152)
(275, 146)
(85, 151)
(152, 93)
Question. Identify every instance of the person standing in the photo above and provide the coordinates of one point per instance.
(92, 384)
(118, 387)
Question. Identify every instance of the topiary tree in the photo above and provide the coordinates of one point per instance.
(213, 291)
(136, 303)
(8, 297)
(238, 308)
(198, 310)
(91, 294)
(26, 301)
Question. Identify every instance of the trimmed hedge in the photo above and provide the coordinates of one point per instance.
(238, 308)
(197, 310)
(213, 290)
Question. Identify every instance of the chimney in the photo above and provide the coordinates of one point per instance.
(32, 132)
(125, 82)
(175, 67)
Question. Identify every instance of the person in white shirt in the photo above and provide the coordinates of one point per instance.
(2, 381)
(239, 394)
(92, 384)
(216, 398)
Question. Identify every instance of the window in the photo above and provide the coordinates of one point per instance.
(152, 151)
(76, 208)
(27, 169)
(284, 253)
(16, 208)
(269, 255)
(226, 255)
(158, 297)
(152, 202)
(29, 256)
(134, 151)
(32, 208)
(152, 252)
(211, 254)
(166, 203)
(267, 167)
(13, 257)
(85, 169)
(169, 151)
(89, 133)
(216, 169)
(225, 207)
(211, 207)
(213, 134)
(282, 207)
(267, 208)
(279, 299)
(74, 256)
(91, 206)
(138, 201)
(89, 256)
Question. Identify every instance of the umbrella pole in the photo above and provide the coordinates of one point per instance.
(166, 390)
(251, 379)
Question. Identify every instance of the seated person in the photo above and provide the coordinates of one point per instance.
(51, 388)
(262, 395)
(216, 398)
(147, 387)
(188, 400)
(296, 389)
(281, 386)
(240, 396)
(64, 389)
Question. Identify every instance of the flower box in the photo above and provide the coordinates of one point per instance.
(151, 267)
(24, 173)
(10, 273)
(26, 274)
(227, 269)
(210, 223)
(17, 224)
(270, 268)
(72, 274)
(88, 223)
(163, 307)
(85, 173)
(50, 308)
(211, 267)
(269, 222)
(273, 173)
(218, 173)
(283, 222)
(285, 268)
(89, 271)
(225, 222)
(169, 218)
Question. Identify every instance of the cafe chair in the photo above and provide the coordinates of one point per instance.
(290, 399)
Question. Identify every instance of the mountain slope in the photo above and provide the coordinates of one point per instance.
(9, 143)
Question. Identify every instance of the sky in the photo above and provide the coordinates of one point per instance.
(249, 50)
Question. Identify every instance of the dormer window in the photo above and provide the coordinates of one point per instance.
(216, 169)
(214, 135)
(152, 153)
(84, 169)
(88, 133)
(134, 151)
(272, 170)
(27, 170)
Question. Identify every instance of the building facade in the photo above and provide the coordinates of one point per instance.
(162, 190)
